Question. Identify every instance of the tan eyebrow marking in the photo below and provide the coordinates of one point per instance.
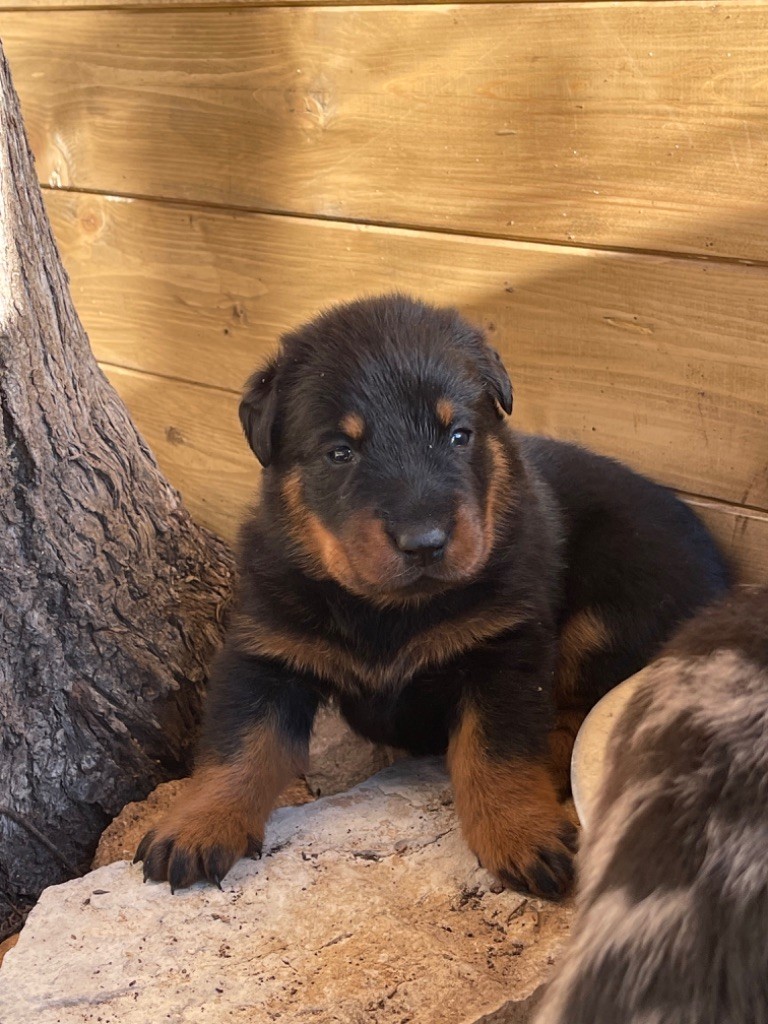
(353, 425)
(445, 411)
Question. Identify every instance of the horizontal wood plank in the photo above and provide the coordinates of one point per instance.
(637, 125)
(195, 434)
(659, 361)
(196, 437)
(144, 5)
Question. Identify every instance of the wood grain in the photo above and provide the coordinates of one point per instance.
(637, 125)
(195, 434)
(660, 361)
(127, 5)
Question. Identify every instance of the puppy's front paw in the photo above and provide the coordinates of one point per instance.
(192, 845)
(513, 821)
(543, 865)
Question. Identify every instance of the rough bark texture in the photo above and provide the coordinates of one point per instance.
(111, 599)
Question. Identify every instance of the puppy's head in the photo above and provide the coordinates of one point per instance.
(379, 426)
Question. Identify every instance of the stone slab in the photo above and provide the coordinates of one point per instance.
(367, 909)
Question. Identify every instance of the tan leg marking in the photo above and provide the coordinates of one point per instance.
(583, 634)
(510, 814)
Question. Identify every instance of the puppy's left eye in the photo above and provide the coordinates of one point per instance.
(460, 438)
(340, 454)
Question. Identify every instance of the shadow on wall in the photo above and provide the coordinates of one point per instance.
(574, 129)
(658, 361)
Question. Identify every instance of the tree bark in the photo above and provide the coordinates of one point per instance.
(111, 599)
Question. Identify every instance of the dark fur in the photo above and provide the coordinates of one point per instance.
(674, 867)
(562, 573)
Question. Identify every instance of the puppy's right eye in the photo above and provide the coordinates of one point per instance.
(340, 454)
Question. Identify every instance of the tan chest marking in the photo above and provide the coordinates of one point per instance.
(334, 663)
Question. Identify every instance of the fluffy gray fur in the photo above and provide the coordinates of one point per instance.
(672, 926)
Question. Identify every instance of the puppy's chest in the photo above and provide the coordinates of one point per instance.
(374, 649)
(372, 637)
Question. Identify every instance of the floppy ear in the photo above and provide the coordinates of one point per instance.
(496, 378)
(258, 411)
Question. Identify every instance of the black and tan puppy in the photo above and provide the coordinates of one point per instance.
(452, 585)
(673, 905)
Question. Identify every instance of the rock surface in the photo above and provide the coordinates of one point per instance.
(367, 909)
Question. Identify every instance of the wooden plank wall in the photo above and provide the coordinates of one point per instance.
(585, 179)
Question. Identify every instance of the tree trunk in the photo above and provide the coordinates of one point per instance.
(111, 599)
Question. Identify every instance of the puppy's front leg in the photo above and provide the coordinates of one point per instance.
(256, 736)
(505, 794)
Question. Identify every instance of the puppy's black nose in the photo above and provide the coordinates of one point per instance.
(423, 543)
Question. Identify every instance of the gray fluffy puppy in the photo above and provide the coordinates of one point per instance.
(672, 925)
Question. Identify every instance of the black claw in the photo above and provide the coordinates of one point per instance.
(146, 842)
(514, 881)
(545, 883)
(156, 860)
(550, 876)
(254, 847)
(218, 861)
(181, 867)
(553, 873)
(180, 870)
(200, 866)
(560, 864)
